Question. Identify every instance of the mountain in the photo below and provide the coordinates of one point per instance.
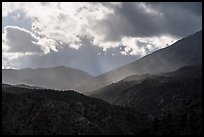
(28, 111)
(11, 88)
(172, 101)
(26, 86)
(187, 51)
(159, 104)
(157, 94)
(55, 78)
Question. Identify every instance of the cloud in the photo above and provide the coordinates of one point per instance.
(151, 19)
(16, 19)
(85, 58)
(142, 46)
(20, 40)
(106, 24)
(100, 33)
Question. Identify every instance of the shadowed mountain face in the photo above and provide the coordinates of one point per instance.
(187, 51)
(157, 94)
(173, 101)
(55, 78)
(163, 104)
(46, 112)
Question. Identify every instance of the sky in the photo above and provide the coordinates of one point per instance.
(92, 36)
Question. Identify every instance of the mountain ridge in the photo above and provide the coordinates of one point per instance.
(186, 51)
(44, 111)
(59, 77)
(184, 84)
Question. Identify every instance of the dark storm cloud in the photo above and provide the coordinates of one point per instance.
(182, 19)
(195, 7)
(128, 20)
(131, 19)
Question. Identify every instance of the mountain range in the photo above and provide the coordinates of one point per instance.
(159, 94)
(165, 104)
(187, 51)
(46, 112)
(54, 78)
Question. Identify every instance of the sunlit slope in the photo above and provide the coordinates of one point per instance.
(187, 51)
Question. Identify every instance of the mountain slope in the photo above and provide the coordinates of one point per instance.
(187, 51)
(56, 78)
(157, 94)
(165, 104)
(172, 101)
(48, 112)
